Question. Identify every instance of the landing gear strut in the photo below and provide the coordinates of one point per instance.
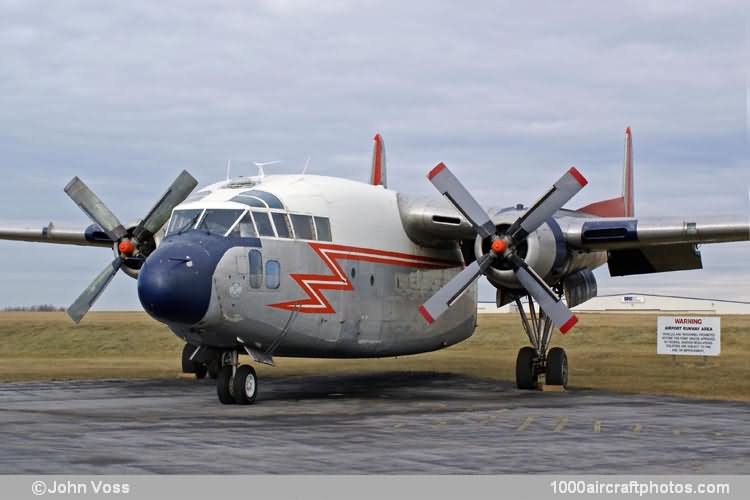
(236, 384)
(537, 360)
(190, 366)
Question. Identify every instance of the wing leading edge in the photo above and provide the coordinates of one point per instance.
(89, 236)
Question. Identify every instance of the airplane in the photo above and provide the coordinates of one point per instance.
(315, 266)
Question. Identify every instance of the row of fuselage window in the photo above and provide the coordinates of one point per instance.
(243, 223)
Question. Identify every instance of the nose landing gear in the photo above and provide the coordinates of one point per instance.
(236, 384)
(538, 360)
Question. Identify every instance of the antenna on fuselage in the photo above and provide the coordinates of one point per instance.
(307, 164)
(261, 164)
(229, 168)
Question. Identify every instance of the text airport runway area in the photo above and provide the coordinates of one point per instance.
(381, 423)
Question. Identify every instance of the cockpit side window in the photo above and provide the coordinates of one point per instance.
(281, 222)
(184, 219)
(323, 226)
(263, 223)
(244, 228)
(303, 227)
(219, 221)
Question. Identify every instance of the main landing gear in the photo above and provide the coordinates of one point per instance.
(236, 384)
(537, 360)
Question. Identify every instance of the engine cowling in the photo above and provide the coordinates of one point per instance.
(544, 250)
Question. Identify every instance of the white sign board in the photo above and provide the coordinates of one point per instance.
(688, 335)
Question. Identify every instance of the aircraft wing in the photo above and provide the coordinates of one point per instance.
(650, 245)
(89, 236)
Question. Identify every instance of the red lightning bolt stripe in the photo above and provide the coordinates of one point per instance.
(314, 284)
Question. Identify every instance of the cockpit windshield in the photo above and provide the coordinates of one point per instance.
(219, 221)
(184, 219)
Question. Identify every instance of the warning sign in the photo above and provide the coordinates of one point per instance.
(685, 335)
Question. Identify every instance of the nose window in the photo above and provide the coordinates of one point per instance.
(183, 220)
(219, 221)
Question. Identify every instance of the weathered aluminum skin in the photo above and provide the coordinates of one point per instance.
(379, 317)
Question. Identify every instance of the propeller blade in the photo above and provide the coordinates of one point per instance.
(180, 189)
(95, 209)
(449, 186)
(552, 306)
(451, 291)
(83, 303)
(561, 192)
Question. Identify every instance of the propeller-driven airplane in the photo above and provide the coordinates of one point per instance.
(313, 266)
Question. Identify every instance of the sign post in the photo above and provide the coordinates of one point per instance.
(688, 336)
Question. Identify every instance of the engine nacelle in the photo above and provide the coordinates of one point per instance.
(544, 250)
(579, 287)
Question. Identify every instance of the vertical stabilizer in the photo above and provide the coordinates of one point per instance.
(627, 175)
(622, 206)
(378, 174)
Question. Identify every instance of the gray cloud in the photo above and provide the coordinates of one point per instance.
(128, 93)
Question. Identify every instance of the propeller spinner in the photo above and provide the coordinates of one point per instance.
(128, 245)
(503, 246)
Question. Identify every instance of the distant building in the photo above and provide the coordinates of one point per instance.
(643, 303)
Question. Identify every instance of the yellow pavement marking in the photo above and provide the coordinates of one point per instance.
(526, 423)
(597, 426)
(561, 423)
(637, 428)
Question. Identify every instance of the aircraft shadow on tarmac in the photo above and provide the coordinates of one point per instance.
(404, 385)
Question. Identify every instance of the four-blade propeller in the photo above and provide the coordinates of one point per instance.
(503, 246)
(128, 245)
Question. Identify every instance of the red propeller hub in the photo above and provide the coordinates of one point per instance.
(499, 246)
(126, 247)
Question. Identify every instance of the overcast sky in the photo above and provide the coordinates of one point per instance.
(509, 94)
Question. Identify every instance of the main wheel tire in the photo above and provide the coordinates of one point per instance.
(188, 366)
(200, 370)
(525, 375)
(224, 387)
(245, 385)
(557, 367)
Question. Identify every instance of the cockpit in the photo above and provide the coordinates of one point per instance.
(265, 216)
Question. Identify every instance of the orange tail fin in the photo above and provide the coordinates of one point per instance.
(378, 174)
(622, 206)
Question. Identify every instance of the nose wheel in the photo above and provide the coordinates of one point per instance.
(236, 384)
(538, 360)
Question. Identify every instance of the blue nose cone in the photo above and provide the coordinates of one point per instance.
(174, 284)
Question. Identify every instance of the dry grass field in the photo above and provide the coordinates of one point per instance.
(615, 352)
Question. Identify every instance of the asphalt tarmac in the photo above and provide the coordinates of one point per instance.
(394, 423)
